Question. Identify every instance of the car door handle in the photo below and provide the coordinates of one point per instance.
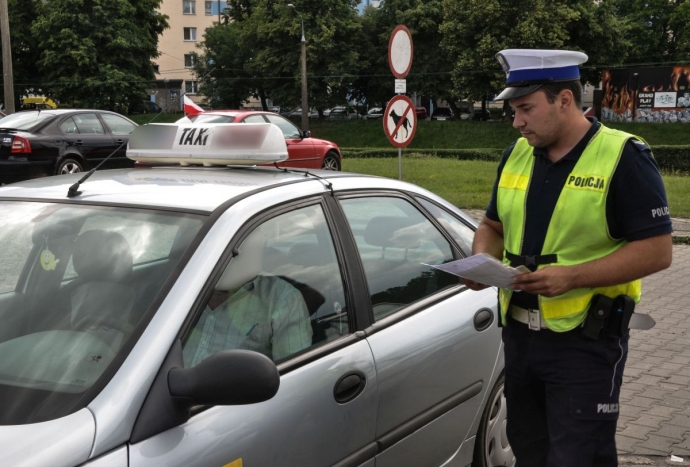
(78, 142)
(349, 386)
(119, 141)
(483, 318)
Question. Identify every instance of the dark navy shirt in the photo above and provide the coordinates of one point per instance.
(635, 200)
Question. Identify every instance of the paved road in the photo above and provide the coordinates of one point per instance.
(655, 398)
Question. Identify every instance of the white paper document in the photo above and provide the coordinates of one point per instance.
(483, 268)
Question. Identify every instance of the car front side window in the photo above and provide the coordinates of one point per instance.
(289, 130)
(281, 294)
(254, 119)
(397, 244)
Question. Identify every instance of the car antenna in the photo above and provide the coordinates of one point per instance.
(74, 189)
(306, 173)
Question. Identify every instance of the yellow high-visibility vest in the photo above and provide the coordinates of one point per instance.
(577, 232)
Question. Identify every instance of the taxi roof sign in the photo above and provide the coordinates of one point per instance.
(208, 144)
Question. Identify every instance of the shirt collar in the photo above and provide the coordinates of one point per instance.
(579, 148)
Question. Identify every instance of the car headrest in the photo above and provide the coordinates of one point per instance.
(392, 231)
(101, 255)
(246, 265)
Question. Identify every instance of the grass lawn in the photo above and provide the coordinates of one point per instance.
(468, 184)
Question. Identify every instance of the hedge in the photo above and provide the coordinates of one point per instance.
(461, 154)
(670, 158)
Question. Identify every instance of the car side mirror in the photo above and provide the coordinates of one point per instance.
(306, 134)
(229, 377)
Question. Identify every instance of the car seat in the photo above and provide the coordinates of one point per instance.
(102, 302)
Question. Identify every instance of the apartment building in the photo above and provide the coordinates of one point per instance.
(188, 20)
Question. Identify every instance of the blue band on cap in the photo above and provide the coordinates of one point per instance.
(543, 74)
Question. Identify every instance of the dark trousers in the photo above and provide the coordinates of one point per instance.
(562, 394)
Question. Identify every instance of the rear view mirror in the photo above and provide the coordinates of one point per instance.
(306, 134)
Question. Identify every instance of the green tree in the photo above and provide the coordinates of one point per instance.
(430, 74)
(264, 56)
(475, 30)
(223, 77)
(25, 51)
(97, 53)
(660, 29)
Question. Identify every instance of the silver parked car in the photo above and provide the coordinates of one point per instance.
(241, 316)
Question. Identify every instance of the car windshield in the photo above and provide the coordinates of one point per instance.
(75, 284)
(24, 120)
(212, 118)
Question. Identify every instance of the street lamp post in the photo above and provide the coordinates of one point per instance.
(303, 61)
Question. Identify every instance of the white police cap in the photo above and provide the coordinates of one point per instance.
(528, 69)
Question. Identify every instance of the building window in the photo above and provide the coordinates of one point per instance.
(190, 34)
(189, 7)
(188, 60)
(214, 7)
(156, 68)
(191, 87)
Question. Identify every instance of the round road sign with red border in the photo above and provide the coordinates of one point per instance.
(400, 121)
(400, 51)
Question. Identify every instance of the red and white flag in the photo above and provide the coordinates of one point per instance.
(190, 108)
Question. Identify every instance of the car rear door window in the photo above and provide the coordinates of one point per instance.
(281, 293)
(461, 232)
(397, 245)
(88, 124)
(118, 125)
(67, 126)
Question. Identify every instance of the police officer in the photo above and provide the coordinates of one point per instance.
(584, 208)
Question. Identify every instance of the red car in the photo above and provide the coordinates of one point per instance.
(421, 113)
(303, 150)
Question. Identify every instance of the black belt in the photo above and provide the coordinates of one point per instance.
(530, 261)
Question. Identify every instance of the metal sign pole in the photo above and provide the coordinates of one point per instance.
(400, 53)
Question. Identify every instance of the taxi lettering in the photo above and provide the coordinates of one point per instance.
(191, 137)
(592, 182)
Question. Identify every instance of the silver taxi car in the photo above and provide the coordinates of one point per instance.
(241, 316)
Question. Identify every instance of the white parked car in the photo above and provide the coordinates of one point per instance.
(208, 312)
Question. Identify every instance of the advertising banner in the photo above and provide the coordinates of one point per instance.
(660, 94)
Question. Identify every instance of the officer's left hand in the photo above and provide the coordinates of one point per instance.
(549, 281)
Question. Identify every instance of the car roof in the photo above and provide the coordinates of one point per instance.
(198, 189)
(66, 111)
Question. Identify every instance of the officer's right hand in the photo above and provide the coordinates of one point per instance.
(473, 285)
